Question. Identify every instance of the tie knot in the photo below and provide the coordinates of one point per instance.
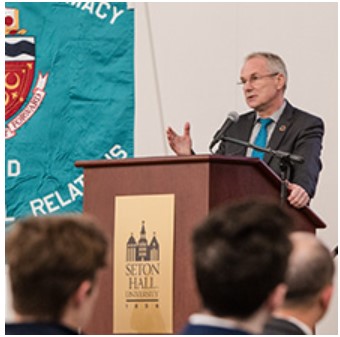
(265, 122)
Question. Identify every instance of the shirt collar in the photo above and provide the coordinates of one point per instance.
(204, 319)
(305, 328)
(276, 115)
(300, 324)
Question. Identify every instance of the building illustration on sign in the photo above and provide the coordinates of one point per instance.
(140, 250)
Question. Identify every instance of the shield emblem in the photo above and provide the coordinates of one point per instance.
(19, 66)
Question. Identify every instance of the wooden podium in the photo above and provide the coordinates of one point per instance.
(199, 183)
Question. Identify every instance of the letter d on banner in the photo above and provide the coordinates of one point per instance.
(13, 168)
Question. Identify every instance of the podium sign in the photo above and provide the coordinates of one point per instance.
(143, 264)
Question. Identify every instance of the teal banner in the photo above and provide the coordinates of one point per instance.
(69, 95)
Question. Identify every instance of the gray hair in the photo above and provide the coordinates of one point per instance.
(275, 63)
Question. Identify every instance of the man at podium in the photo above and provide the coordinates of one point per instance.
(273, 123)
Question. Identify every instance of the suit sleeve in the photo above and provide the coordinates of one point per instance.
(309, 145)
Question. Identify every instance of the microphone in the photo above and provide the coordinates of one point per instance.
(233, 117)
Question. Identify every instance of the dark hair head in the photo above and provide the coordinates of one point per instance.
(240, 256)
(48, 258)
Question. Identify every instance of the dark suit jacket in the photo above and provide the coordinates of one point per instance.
(196, 329)
(37, 329)
(296, 132)
(278, 326)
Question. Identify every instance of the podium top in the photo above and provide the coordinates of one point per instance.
(200, 159)
(171, 160)
(193, 159)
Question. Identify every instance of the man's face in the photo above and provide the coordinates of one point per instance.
(262, 88)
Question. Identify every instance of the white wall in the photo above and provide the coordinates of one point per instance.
(198, 50)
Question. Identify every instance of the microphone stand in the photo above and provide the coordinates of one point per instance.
(285, 169)
(286, 160)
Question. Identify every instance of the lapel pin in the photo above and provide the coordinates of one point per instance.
(282, 128)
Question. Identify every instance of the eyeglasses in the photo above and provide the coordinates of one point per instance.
(253, 79)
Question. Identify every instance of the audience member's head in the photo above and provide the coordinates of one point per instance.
(310, 270)
(53, 264)
(240, 256)
(309, 278)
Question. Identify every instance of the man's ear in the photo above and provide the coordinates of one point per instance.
(277, 297)
(281, 80)
(82, 292)
(325, 296)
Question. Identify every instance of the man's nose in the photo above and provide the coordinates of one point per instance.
(247, 86)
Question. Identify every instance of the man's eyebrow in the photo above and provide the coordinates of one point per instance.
(252, 74)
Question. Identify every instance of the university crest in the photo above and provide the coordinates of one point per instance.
(19, 74)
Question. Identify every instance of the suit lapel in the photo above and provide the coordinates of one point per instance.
(246, 129)
(280, 130)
